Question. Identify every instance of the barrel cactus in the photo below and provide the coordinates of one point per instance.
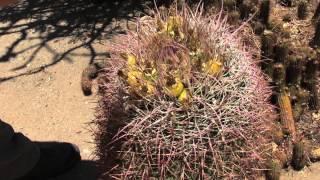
(182, 98)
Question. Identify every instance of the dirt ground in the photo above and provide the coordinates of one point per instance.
(40, 93)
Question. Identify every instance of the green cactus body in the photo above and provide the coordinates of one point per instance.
(265, 8)
(294, 71)
(274, 170)
(299, 157)
(281, 52)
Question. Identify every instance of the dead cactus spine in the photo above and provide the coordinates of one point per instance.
(286, 115)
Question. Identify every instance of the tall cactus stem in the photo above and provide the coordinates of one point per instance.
(281, 52)
(265, 11)
(302, 9)
(294, 71)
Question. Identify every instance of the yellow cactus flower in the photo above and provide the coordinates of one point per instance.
(152, 75)
(213, 67)
(150, 88)
(184, 96)
(132, 61)
(133, 78)
(176, 89)
(174, 22)
(172, 27)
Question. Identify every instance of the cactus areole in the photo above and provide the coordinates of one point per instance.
(187, 100)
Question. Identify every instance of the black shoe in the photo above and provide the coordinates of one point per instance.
(55, 159)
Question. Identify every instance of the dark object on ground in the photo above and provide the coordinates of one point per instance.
(27, 160)
(88, 74)
(55, 159)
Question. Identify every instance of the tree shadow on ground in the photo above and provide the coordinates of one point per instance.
(84, 21)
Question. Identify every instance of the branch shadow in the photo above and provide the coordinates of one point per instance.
(83, 21)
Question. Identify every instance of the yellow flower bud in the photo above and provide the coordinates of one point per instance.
(213, 67)
(184, 96)
(133, 78)
(150, 88)
(176, 89)
(132, 61)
